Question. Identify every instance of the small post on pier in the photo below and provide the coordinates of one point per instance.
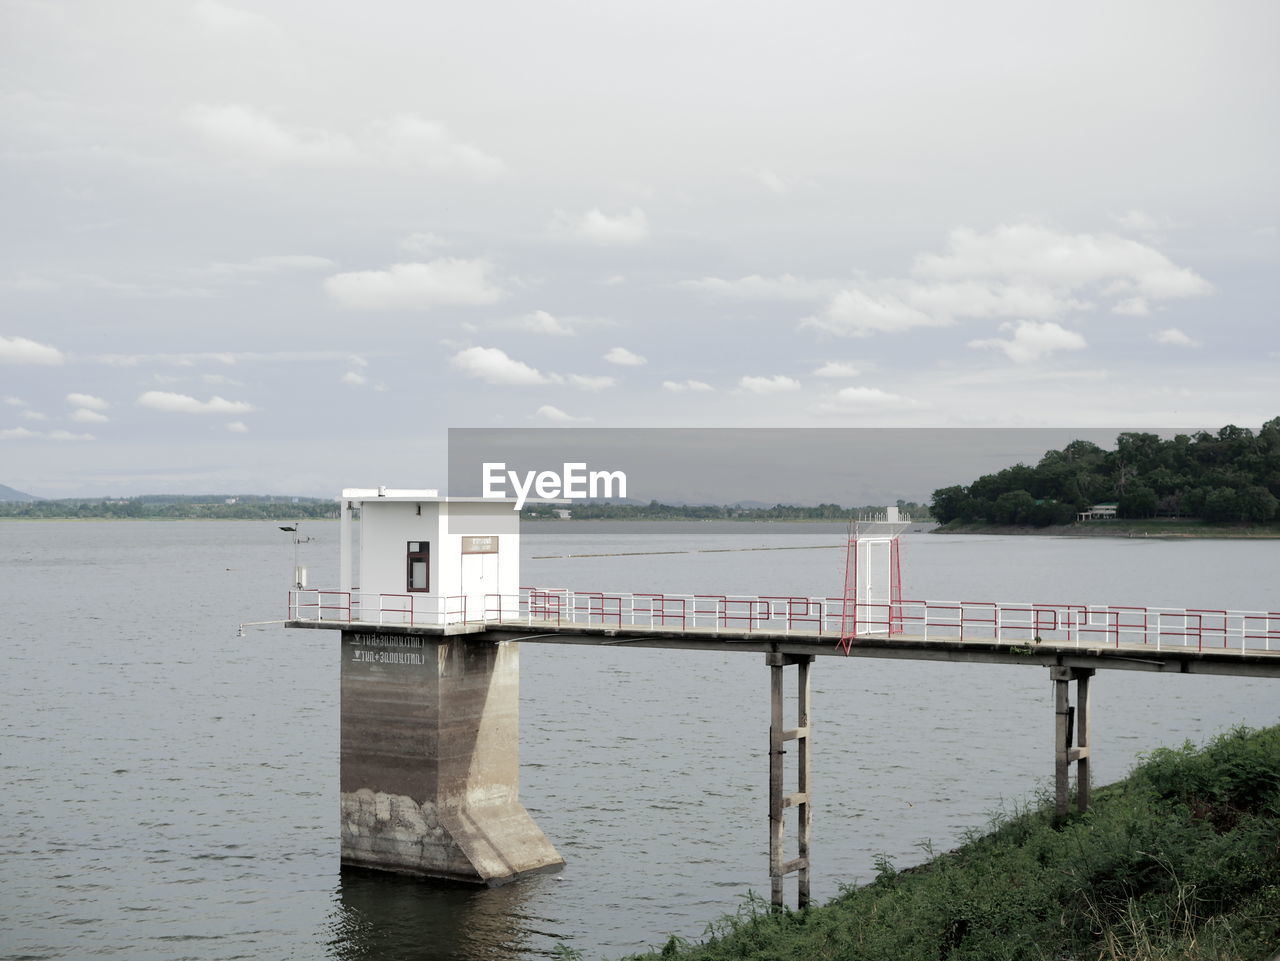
(1071, 724)
(779, 800)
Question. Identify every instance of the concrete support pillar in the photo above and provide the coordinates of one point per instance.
(1071, 724)
(779, 800)
(430, 759)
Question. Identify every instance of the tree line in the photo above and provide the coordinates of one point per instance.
(1232, 475)
(655, 511)
(173, 507)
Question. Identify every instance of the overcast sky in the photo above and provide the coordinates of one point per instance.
(281, 246)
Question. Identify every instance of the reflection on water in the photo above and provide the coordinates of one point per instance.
(381, 917)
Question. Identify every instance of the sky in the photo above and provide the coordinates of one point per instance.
(283, 246)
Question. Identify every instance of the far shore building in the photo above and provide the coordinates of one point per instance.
(1100, 512)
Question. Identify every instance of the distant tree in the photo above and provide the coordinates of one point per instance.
(1138, 501)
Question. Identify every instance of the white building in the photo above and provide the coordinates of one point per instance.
(411, 556)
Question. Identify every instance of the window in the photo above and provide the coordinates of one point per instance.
(418, 569)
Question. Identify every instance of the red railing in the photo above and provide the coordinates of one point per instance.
(1070, 624)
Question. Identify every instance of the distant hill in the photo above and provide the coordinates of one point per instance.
(9, 494)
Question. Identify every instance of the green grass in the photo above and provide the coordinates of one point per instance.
(1181, 860)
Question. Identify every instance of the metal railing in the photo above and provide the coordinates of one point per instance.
(352, 607)
(1074, 625)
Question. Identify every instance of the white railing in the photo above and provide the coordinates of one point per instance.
(1074, 625)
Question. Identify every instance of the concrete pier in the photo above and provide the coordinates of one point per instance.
(430, 759)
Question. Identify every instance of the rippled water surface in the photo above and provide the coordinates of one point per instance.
(171, 789)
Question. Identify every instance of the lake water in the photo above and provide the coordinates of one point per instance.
(171, 789)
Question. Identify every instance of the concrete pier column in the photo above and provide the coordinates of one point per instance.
(1071, 724)
(430, 759)
(779, 800)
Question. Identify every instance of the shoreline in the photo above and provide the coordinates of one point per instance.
(1157, 530)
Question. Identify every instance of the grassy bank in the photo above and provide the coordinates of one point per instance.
(1122, 528)
(1181, 860)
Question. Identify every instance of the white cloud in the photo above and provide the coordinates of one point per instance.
(679, 386)
(17, 433)
(556, 415)
(274, 264)
(220, 380)
(852, 313)
(405, 142)
(219, 16)
(1031, 253)
(597, 227)
(837, 368)
(416, 286)
(854, 399)
(184, 404)
(768, 179)
(777, 384)
(20, 350)
(1032, 340)
(1174, 338)
(586, 381)
(354, 378)
(1132, 307)
(423, 243)
(238, 427)
(15, 402)
(757, 287)
(34, 415)
(493, 366)
(84, 415)
(59, 435)
(541, 322)
(88, 401)
(624, 357)
(1141, 222)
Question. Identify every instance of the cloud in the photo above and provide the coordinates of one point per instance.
(837, 368)
(493, 366)
(597, 227)
(1032, 340)
(423, 243)
(354, 378)
(1174, 338)
(768, 179)
(88, 401)
(757, 287)
(21, 433)
(624, 357)
(184, 404)
(541, 322)
(556, 415)
(273, 264)
(585, 381)
(852, 313)
(219, 16)
(15, 401)
(1132, 307)
(84, 415)
(854, 399)
(405, 142)
(34, 415)
(1050, 258)
(416, 286)
(19, 350)
(1141, 222)
(777, 384)
(238, 427)
(679, 386)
